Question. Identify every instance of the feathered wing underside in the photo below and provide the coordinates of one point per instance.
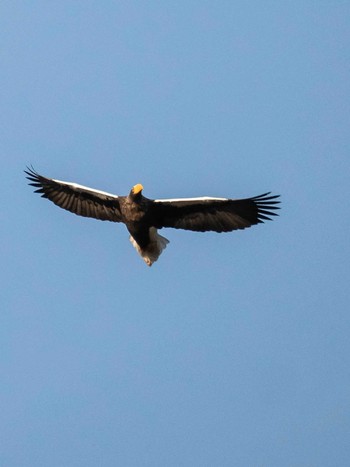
(214, 214)
(75, 198)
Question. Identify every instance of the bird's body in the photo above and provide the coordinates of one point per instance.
(143, 216)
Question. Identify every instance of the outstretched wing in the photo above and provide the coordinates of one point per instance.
(216, 214)
(75, 198)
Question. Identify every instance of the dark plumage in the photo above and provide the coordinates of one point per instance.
(143, 216)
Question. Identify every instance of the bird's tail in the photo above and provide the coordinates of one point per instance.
(157, 244)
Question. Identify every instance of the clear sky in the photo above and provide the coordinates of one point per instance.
(233, 349)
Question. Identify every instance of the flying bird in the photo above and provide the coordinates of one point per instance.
(143, 216)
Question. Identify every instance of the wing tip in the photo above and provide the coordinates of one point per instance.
(266, 205)
(31, 174)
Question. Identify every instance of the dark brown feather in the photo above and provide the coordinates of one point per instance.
(219, 215)
(76, 199)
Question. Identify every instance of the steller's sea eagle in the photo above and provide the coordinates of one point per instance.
(143, 216)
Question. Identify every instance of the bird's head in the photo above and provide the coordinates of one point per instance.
(136, 190)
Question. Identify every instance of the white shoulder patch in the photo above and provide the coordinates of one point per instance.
(86, 188)
(204, 198)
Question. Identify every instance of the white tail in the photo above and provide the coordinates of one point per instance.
(151, 253)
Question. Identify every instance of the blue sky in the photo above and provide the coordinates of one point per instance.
(233, 349)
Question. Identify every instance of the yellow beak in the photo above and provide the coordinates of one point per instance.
(137, 188)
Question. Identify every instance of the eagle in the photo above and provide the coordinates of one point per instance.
(143, 216)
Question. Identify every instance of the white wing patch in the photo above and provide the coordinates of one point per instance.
(92, 190)
(204, 198)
